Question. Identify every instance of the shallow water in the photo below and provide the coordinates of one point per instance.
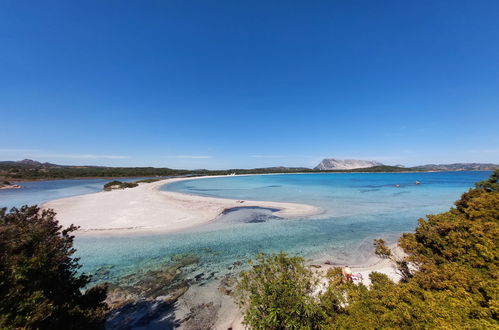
(358, 208)
(37, 192)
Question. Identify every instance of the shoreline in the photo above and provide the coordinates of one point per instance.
(219, 175)
(147, 210)
(228, 315)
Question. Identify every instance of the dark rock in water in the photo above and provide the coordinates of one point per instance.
(145, 300)
(143, 314)
(257, 219)
(261, 218)
(103, 272)
(249, 208)
(183, 260)
(369, 190)
(212, 274)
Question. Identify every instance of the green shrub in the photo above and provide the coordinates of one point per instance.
(277, 293)
(40, 287)
(450, 279)
(119, 185)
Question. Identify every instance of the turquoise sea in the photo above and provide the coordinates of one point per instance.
(358, 207)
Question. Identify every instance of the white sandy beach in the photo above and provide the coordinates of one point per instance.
(146, 208)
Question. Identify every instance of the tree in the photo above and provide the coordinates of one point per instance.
(40, 286)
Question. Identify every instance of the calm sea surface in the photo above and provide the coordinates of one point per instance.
(37, 192)
(358, 207)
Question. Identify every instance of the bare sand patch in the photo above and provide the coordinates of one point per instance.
(148, 209)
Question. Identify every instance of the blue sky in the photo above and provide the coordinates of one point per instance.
(223, 84)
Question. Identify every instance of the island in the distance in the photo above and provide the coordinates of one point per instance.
(333, 164)
(345, 164)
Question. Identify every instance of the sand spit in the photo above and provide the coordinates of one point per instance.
(147, 209)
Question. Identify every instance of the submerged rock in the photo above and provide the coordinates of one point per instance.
(147, 299)
(143, 314)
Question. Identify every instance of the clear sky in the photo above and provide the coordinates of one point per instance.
(223, 84)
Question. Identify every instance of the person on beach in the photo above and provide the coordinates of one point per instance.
(347, 274)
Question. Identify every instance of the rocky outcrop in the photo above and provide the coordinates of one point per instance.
(345, 164)
(8, 185)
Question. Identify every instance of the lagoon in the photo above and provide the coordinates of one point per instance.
(358, 207)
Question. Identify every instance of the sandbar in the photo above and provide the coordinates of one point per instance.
(146, 208)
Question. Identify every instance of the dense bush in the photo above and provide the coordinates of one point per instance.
(450, 279)
(278, 293)
(119, 185)
(40, 287)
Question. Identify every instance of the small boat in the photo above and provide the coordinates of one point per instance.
(417, 182)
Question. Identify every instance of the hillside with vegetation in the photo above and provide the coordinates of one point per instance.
(458, 167)
(449, 279)
(33, 170)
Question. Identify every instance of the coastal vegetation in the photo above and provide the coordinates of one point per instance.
(31, 170)
(122, 185)
(40, 283)
(449, 279)
(119, 185)
(147, 180)
(8, 185)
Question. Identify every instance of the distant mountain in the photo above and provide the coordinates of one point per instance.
(28, 169)
(345, 164)
(28, 163)
(458, 167)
